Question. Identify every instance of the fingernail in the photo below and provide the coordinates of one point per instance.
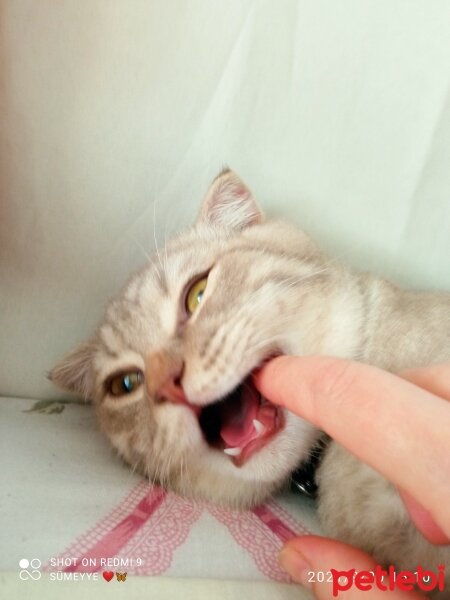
(423, 520)
(296, 565)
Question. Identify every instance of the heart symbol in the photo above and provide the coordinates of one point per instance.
(108, 575)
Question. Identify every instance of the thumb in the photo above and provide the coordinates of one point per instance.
(329, 568)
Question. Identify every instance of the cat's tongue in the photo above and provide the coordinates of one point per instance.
(238, 429)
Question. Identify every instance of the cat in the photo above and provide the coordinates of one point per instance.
(169, 368)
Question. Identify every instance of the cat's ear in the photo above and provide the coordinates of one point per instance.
(229, 204)
(74, 372)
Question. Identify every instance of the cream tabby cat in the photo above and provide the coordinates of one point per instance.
(169, 367)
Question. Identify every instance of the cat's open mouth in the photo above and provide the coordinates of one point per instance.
(241, 423)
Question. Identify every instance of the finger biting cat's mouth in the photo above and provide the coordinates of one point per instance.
(242, 423)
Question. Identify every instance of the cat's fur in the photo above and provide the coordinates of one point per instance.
(269, 289)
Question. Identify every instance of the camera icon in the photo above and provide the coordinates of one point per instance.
(29, 569)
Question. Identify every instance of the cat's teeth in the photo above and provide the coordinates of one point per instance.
(259, 427)
(233, 451)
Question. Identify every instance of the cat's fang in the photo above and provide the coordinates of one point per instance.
(233, 451)
(259, 427)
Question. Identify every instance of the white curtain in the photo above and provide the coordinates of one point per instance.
(115, 114)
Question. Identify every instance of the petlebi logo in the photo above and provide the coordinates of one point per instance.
(29, 569)
(389, 579)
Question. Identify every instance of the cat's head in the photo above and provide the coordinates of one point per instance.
(169, 368)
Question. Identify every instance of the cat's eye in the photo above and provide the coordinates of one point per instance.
(195, 294)
(125, 383)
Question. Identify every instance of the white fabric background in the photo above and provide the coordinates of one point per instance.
(117, 113)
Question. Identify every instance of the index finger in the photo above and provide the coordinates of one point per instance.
(390, 424)
(434, 379)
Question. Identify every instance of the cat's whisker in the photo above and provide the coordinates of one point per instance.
(296, 280)
(155, 239)
(181, 463)
(184, 481)
(140, 247)
(168, 466)
(164, 474)
(157, 476)
(166, 260)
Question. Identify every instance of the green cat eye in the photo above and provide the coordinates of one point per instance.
(125, 383)
(195, 294)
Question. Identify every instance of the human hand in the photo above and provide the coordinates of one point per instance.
(391, 417)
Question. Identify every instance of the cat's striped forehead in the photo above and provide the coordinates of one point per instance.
(147, 312)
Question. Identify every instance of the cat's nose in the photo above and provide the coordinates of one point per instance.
(172, 391)
(163, 372)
